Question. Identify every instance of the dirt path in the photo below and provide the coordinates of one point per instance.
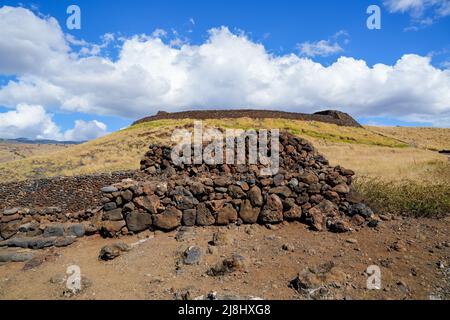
(415, 268)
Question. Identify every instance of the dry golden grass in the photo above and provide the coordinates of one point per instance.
(394, 176)
(390, 164)
(10, 151)
(426, 138)
(122, 150)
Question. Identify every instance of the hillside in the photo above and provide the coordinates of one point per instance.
(122, 150)
(368, 151)
(15, 150)
(434, 139)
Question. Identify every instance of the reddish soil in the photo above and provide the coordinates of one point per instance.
(418, 269)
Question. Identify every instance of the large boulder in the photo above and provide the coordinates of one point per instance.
(168, 220)
(227, 215)
(248, 213)
(138, 221)
(204, 215)
(273, 210)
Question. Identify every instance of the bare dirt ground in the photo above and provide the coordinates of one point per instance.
(413, 255)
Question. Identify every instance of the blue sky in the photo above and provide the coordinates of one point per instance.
(281, 27)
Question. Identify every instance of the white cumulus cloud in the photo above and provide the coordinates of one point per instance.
(228, 70)
(33, 122)
(85, 130)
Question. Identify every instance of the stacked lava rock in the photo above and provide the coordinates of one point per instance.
(306, 188)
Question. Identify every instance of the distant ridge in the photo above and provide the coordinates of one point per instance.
(328, 116)
(38, 141)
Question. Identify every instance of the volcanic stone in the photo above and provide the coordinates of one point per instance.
(109, 189)
(138, 221)
(110, 206)
(236, 192)
(76, 229)
(255, 196)
(227, 215)
(55, 230)
(113, 215)
(204, 215)
(169, 219)
(247, 213)
(273, 210)
(150, 203)
(189, 217)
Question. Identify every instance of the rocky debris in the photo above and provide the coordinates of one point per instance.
(315, 282)
(85, 192)
(192, 256)
(110, 252)
(214, 296)
(236, 263)
(362, 210)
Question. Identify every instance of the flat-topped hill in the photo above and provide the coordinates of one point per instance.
(328, 116)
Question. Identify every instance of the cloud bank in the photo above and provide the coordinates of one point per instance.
(228, 70)
(33, 122)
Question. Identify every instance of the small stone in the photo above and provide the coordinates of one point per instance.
(109, 189)
(10, 212)
(255, 196)
(111, 228)
(15, 256)
(76, 229)
(399, 246)
(362, 210)
(189, 217)
(357, 220)
(204, 215)
(64, 241)
(385, 217)
(235, 263)
(342, 188)
(59, 278)
(110, 206)
(373, 223)
(288, 247)
(236, 192)
(113, 215)
(192, 256)
(56, 230)
(221, 238)
(316, 218)
(113, 251)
